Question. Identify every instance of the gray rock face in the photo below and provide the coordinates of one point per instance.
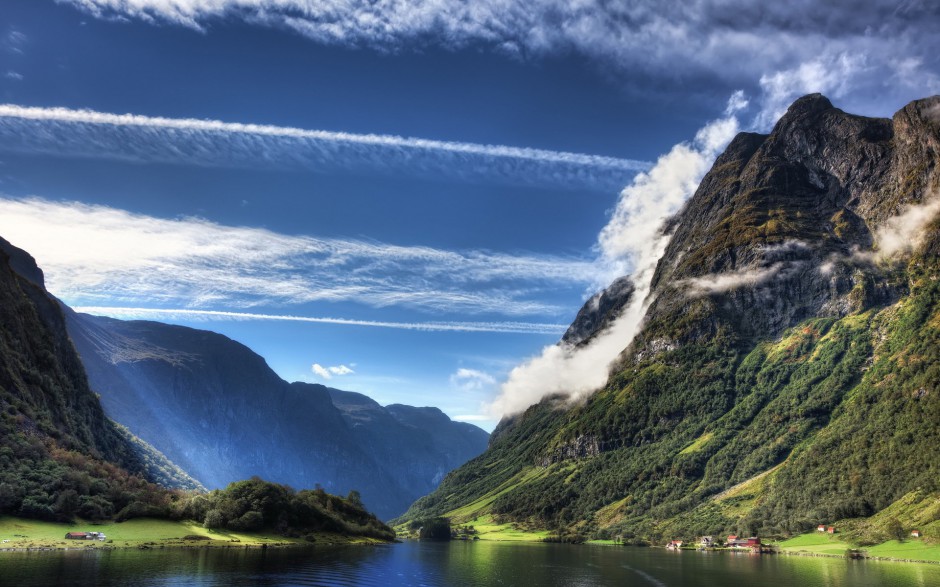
(783, 226)
(217, 410)
(599, 311)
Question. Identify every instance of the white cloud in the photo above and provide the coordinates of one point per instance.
(86, 133)
(471, 379)
(177, 314)
(829, 75)
(905, 232)
(101, 256)
(667, 41)
(341, 370)
(13, 75)
(722, 282)
(14, 41)
(329, 372)
(632, 242)
(472, 418)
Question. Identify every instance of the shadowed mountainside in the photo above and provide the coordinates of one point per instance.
(215, 408)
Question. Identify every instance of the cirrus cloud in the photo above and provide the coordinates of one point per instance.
(97, 255)
(894, 45)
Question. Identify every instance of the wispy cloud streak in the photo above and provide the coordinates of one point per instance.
(214, 315)
(132, 137)
(97, 255)
(894, 44)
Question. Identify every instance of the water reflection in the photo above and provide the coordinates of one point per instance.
(460, 564)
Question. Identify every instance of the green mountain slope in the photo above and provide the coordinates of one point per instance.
(787, 371)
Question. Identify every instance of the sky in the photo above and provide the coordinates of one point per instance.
(406, 199)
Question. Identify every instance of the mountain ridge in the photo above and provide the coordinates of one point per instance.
(768, 317)
(216, 408)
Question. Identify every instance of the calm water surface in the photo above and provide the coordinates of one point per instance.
(459, 564)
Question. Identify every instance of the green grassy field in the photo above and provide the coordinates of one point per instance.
(142, 532)
(914, 549)
(487, 529)
(816, 543)
(820, 543)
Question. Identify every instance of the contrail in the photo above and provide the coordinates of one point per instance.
(88, 133)
(164, 313)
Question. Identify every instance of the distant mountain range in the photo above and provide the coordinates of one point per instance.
(787, 372)
(218, 411)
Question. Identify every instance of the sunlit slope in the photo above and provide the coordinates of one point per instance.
(787, 371)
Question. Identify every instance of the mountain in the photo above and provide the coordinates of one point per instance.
(427, 444)
(787, 372)
(217, 410)
(59, 454)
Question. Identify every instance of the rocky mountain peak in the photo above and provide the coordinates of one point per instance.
(772, 234)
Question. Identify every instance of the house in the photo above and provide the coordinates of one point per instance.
(915, 533)
(706, 541)
(731, 538)
(735, 542)
(76, 536)
(674, 545)
(821, 528)
(100, 536)
(831, 529)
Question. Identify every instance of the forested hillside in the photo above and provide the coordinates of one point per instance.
(787, 371)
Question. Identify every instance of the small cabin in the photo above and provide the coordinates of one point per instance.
(915, 533)
(76, 536)
(821, 528)
(674, 545)
(732, 538)
(706, 541)
(831, 529)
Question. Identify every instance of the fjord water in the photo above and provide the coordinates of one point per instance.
(457, 564)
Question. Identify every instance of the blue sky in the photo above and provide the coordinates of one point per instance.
(434, 189)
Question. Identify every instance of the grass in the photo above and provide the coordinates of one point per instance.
(488, 529)
(816, 543)
(821, 543)
(914, 549)
(697, 445)
(480, 506)
(141, 533)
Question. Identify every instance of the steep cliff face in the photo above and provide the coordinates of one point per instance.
(59, 454)
(217, 409)
(802, 257)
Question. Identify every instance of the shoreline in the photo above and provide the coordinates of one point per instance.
(788, 552)
(861, 556)
(27, 535)
(198, 545)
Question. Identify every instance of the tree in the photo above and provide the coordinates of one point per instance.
(214, 519)
(895, 529)
(354, 498)
(436, 529)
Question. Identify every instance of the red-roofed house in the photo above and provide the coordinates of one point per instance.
(831, 529)
(821, 528)
(915, 533)
(76, 536)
